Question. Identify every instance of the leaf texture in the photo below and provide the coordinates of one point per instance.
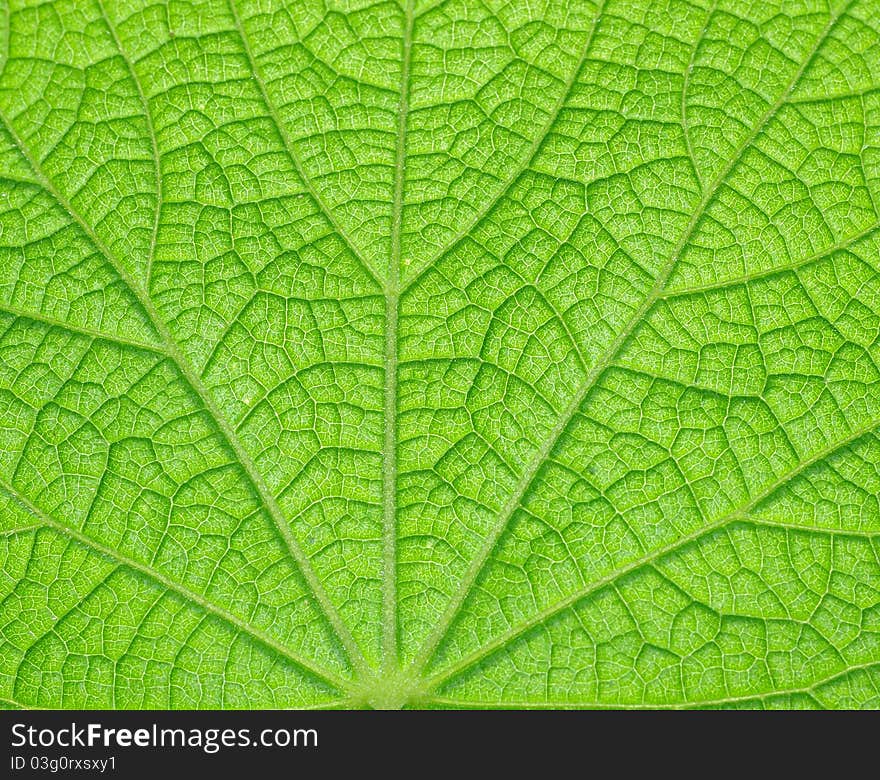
(439, 353)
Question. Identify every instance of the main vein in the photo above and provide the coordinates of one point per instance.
(392, 299)
(478, 562)
(289, 148)
(47, 521)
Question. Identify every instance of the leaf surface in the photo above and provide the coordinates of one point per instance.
(450, 354)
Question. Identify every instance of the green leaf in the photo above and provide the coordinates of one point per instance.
(470, 354)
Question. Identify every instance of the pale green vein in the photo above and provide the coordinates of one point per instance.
(392, 301)
(15, 705)
(738, 514)
(428, 9)
(289, 148)
(4, 176)
(174, 352)
(811, 528)
(24, 529)
(79, 330)
(604, 361)
(759, 696)
(204, 605)
(516, 171)
(573, 706)
(148, 271)
(830, 97)
(794, 265)
(684, 92)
